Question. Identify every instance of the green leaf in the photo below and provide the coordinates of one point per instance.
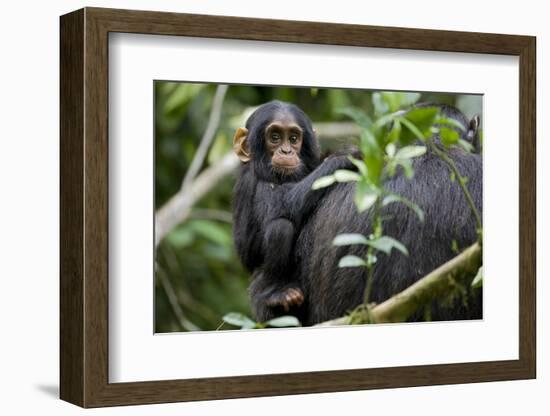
(379, 103)
(442, 121)
(373, 155)
(478, 280)
(386, 244)
(240, 320)
(365, 201)
(397, 198)
(283, 321)
(419, 122)
(391, 167)
(409, 152)
(407, 167)
(181, 96)
(181, 237)
(360, 165)
(395, 132)
(448, 136)
(391, 149)
(349, 239)
(369, 144)
(351, 261)
(422, 117)
(323, 182)
(467, 146)
(356, 115)
(409, 98)
(382, 121)
(215, 232)
(398, 100)
(343, 175)
(366, 195)
(415, 131)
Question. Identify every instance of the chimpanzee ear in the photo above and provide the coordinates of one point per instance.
(240, 144)
(474, 123)
(473, 128)
(315, 134)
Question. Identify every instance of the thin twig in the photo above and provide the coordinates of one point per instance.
(212, 214)
(194, 187)
(174, 304)
(208, 136)
(184, 297)
(461, 181)
(377, 221)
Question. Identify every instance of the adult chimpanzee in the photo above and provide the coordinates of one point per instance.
(331, 291)
(327, 290)
(273, 196)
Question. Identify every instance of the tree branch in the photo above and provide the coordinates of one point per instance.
(459, 270)
(336, 130)
(213, 214)
(461, 181)
(194, 187)
(178, 208)
(208, 136)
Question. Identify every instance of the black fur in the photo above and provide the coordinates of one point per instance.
(299, 252)
(330, 291)
(269, 208)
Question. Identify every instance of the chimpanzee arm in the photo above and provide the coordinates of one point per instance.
(278, 244)
(301, 199)
(247, 230)
(274, 289)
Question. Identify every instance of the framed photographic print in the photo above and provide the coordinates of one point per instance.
(255, 207)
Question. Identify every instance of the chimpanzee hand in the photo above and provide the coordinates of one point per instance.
(286, 298)
(341, 158)
(271, 299)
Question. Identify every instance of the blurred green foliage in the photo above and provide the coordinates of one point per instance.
(199, 278)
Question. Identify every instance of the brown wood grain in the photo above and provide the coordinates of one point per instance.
(84, 206)
(527, 208)
(71, 213)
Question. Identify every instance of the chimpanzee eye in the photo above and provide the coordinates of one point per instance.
(275, 137)
(293, 139)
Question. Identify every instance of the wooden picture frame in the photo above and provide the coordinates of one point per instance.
(84, 207)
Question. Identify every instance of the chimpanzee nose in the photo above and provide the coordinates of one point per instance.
(286, 151)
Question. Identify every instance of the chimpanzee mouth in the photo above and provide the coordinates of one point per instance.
(286, 169)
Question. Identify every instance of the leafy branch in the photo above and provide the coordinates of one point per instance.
(440, 282)
(461, 181)
(387, 145)
(384, 152)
